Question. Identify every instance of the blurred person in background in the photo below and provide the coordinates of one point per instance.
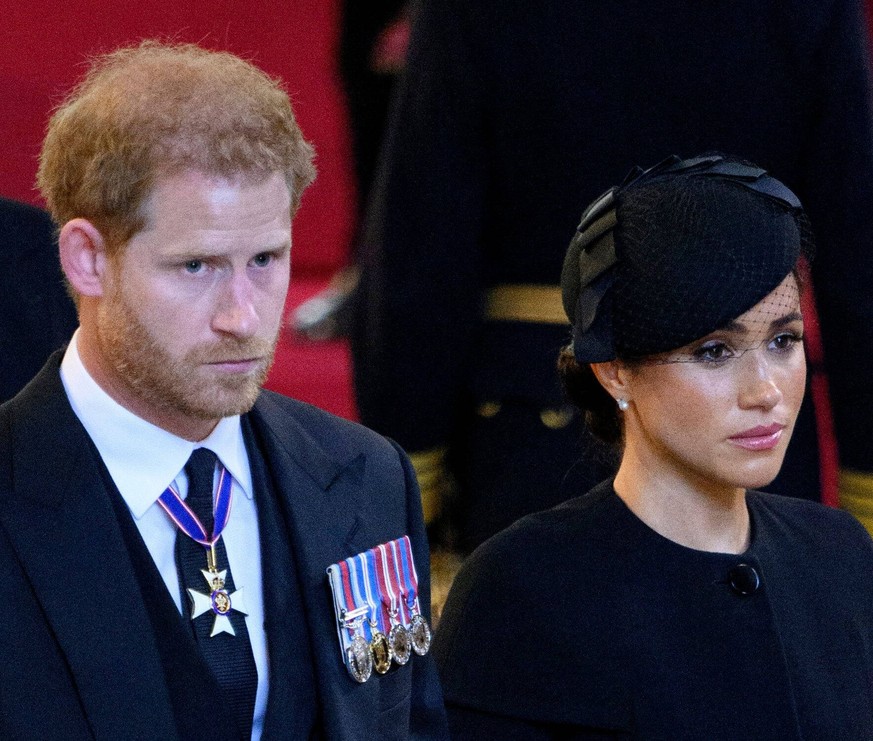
(37, 315)
(374, 36)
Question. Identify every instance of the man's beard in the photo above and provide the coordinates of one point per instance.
(181, 385)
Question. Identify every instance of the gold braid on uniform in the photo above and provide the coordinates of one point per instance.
(430, 469)
(856, 496)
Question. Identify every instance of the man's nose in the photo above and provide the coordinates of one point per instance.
(236, 313)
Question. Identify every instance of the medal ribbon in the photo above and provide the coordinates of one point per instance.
(346, 598)
(394, 562)
(359, 590)
(367, 580)
(389, 598)
(187, 521)
(410, 577)
(373, 592)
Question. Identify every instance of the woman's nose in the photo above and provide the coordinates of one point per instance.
(759, 381)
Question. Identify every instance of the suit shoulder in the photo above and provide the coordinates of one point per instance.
(23, 211)
(333, 433)
(802, 511)
(521, 591)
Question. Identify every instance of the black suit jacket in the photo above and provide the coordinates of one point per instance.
(80, 658)
(36, 314)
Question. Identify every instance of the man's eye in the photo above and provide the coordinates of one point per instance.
(193, 266)
(263, 259)
(712, 352)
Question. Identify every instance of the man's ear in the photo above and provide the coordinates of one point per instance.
(613, 376)
(83, 256)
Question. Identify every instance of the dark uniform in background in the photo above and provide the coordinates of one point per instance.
(367, 90)
(512, 116)
(36, 314)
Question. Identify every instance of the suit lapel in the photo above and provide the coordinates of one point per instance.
(326, 526)
(61, 522)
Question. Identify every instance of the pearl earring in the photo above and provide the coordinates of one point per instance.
(622, 404)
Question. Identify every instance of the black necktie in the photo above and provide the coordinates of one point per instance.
(229, 656)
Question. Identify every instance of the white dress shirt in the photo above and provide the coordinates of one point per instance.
(143, 461)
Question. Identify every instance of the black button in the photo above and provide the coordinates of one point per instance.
(744, 579)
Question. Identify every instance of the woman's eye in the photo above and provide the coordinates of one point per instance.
(785, 341)
(713, 352)
(193, 266)
(263, 259)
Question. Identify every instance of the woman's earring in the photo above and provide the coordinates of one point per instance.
(622, 404)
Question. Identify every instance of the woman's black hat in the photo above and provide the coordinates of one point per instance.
(676, 252)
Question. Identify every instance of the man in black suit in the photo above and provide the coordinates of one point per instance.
(166, 528)
(36, 314)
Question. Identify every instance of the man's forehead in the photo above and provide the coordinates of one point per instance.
(207, 194)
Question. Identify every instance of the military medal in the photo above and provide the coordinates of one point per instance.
(352, 611)
(359, 660)
(398, 636)
(218, 600)
(419, 630)
(421, 635)
(381, 650)
(379, 620)
(400, 642)
(363, 571)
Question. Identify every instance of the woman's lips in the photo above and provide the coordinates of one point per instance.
(759, 438)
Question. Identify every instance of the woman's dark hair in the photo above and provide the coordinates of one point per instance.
(584, 391)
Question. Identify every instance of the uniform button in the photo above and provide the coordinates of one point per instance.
(744, 579)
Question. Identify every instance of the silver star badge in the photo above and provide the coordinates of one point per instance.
(218, 601)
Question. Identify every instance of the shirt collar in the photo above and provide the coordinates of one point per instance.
(142, 458)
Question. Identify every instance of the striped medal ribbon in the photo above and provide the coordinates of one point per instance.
(398, 635)
(181, 514)
(418, 627)
(352, 618)
(219, 600)
(379, 646)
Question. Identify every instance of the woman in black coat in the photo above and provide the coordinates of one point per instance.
(675, 601)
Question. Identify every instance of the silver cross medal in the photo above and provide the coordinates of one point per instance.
(218, 600)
